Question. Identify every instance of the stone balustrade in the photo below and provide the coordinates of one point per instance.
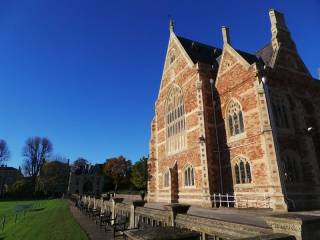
(176, 215)
(154, 217)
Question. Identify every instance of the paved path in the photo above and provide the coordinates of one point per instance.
(88, 225)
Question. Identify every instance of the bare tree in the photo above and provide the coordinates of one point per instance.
(4, 152)
(36, 151)
(4, 156)
(80, 162)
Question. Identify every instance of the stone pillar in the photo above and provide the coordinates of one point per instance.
(113, 208)
(92, 198)
(133, 205)
(175, 209)
(102, 209)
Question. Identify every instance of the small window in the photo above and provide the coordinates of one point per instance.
(189, 176)
(235, 119)
(242, 171)
(166, 182)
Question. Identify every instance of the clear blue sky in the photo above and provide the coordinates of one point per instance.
(86, 74)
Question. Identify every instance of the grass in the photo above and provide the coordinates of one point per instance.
(49, 219)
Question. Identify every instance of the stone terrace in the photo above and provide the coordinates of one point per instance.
(225, 223)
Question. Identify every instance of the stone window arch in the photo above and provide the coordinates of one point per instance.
(242, 171)
(290, 166)
(166, 178)
(235, 118)
(175, 121)
(189, 177)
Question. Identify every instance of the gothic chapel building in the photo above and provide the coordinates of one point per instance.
(227, 121)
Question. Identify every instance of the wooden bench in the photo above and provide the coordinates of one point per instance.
(120, 224)
(104, 218)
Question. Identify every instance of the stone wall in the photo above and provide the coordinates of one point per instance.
(180, 73)
(280, 226)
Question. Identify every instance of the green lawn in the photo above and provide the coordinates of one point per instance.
(49, 219)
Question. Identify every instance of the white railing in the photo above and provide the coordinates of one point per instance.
(252, 200)
(223, 200)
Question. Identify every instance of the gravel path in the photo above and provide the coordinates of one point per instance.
(89, 226)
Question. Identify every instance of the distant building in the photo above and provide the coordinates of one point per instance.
(228, 121)
(86, 179)
(8, 176)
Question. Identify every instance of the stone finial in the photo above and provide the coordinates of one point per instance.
(280, 32)
(277, 20)
(225, 35)
(171, 25)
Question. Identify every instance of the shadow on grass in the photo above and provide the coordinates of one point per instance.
(35, 210)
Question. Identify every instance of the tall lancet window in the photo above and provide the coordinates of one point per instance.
(235, 118)
(242, 171)
(175, 121)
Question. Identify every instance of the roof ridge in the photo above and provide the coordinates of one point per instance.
(200, 43)
(265, 46)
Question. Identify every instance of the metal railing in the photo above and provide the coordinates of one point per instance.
(240, 201)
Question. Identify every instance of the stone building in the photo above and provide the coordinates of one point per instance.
(86, 180)
(228, 121)
(8, 176)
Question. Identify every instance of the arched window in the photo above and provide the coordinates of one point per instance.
(242, 171)
(189, 176)
(235, 118)
(280, 112)
(290, 167)
(175, 120)
(166, 179)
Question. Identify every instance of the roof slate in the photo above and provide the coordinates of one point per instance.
(265, 54)
(199, 52)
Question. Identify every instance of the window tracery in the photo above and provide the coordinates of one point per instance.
(175, 121)
(235, 118)
(242, 171)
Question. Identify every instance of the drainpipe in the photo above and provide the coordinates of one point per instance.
(217, 135)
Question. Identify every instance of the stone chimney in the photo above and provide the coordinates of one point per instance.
(225, 35)
(280, 33)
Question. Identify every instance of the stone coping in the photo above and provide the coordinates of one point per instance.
(299, 218)
(276, 236)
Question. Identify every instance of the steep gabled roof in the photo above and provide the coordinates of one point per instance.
(250, 58)
(265, 54)
(199, 52)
